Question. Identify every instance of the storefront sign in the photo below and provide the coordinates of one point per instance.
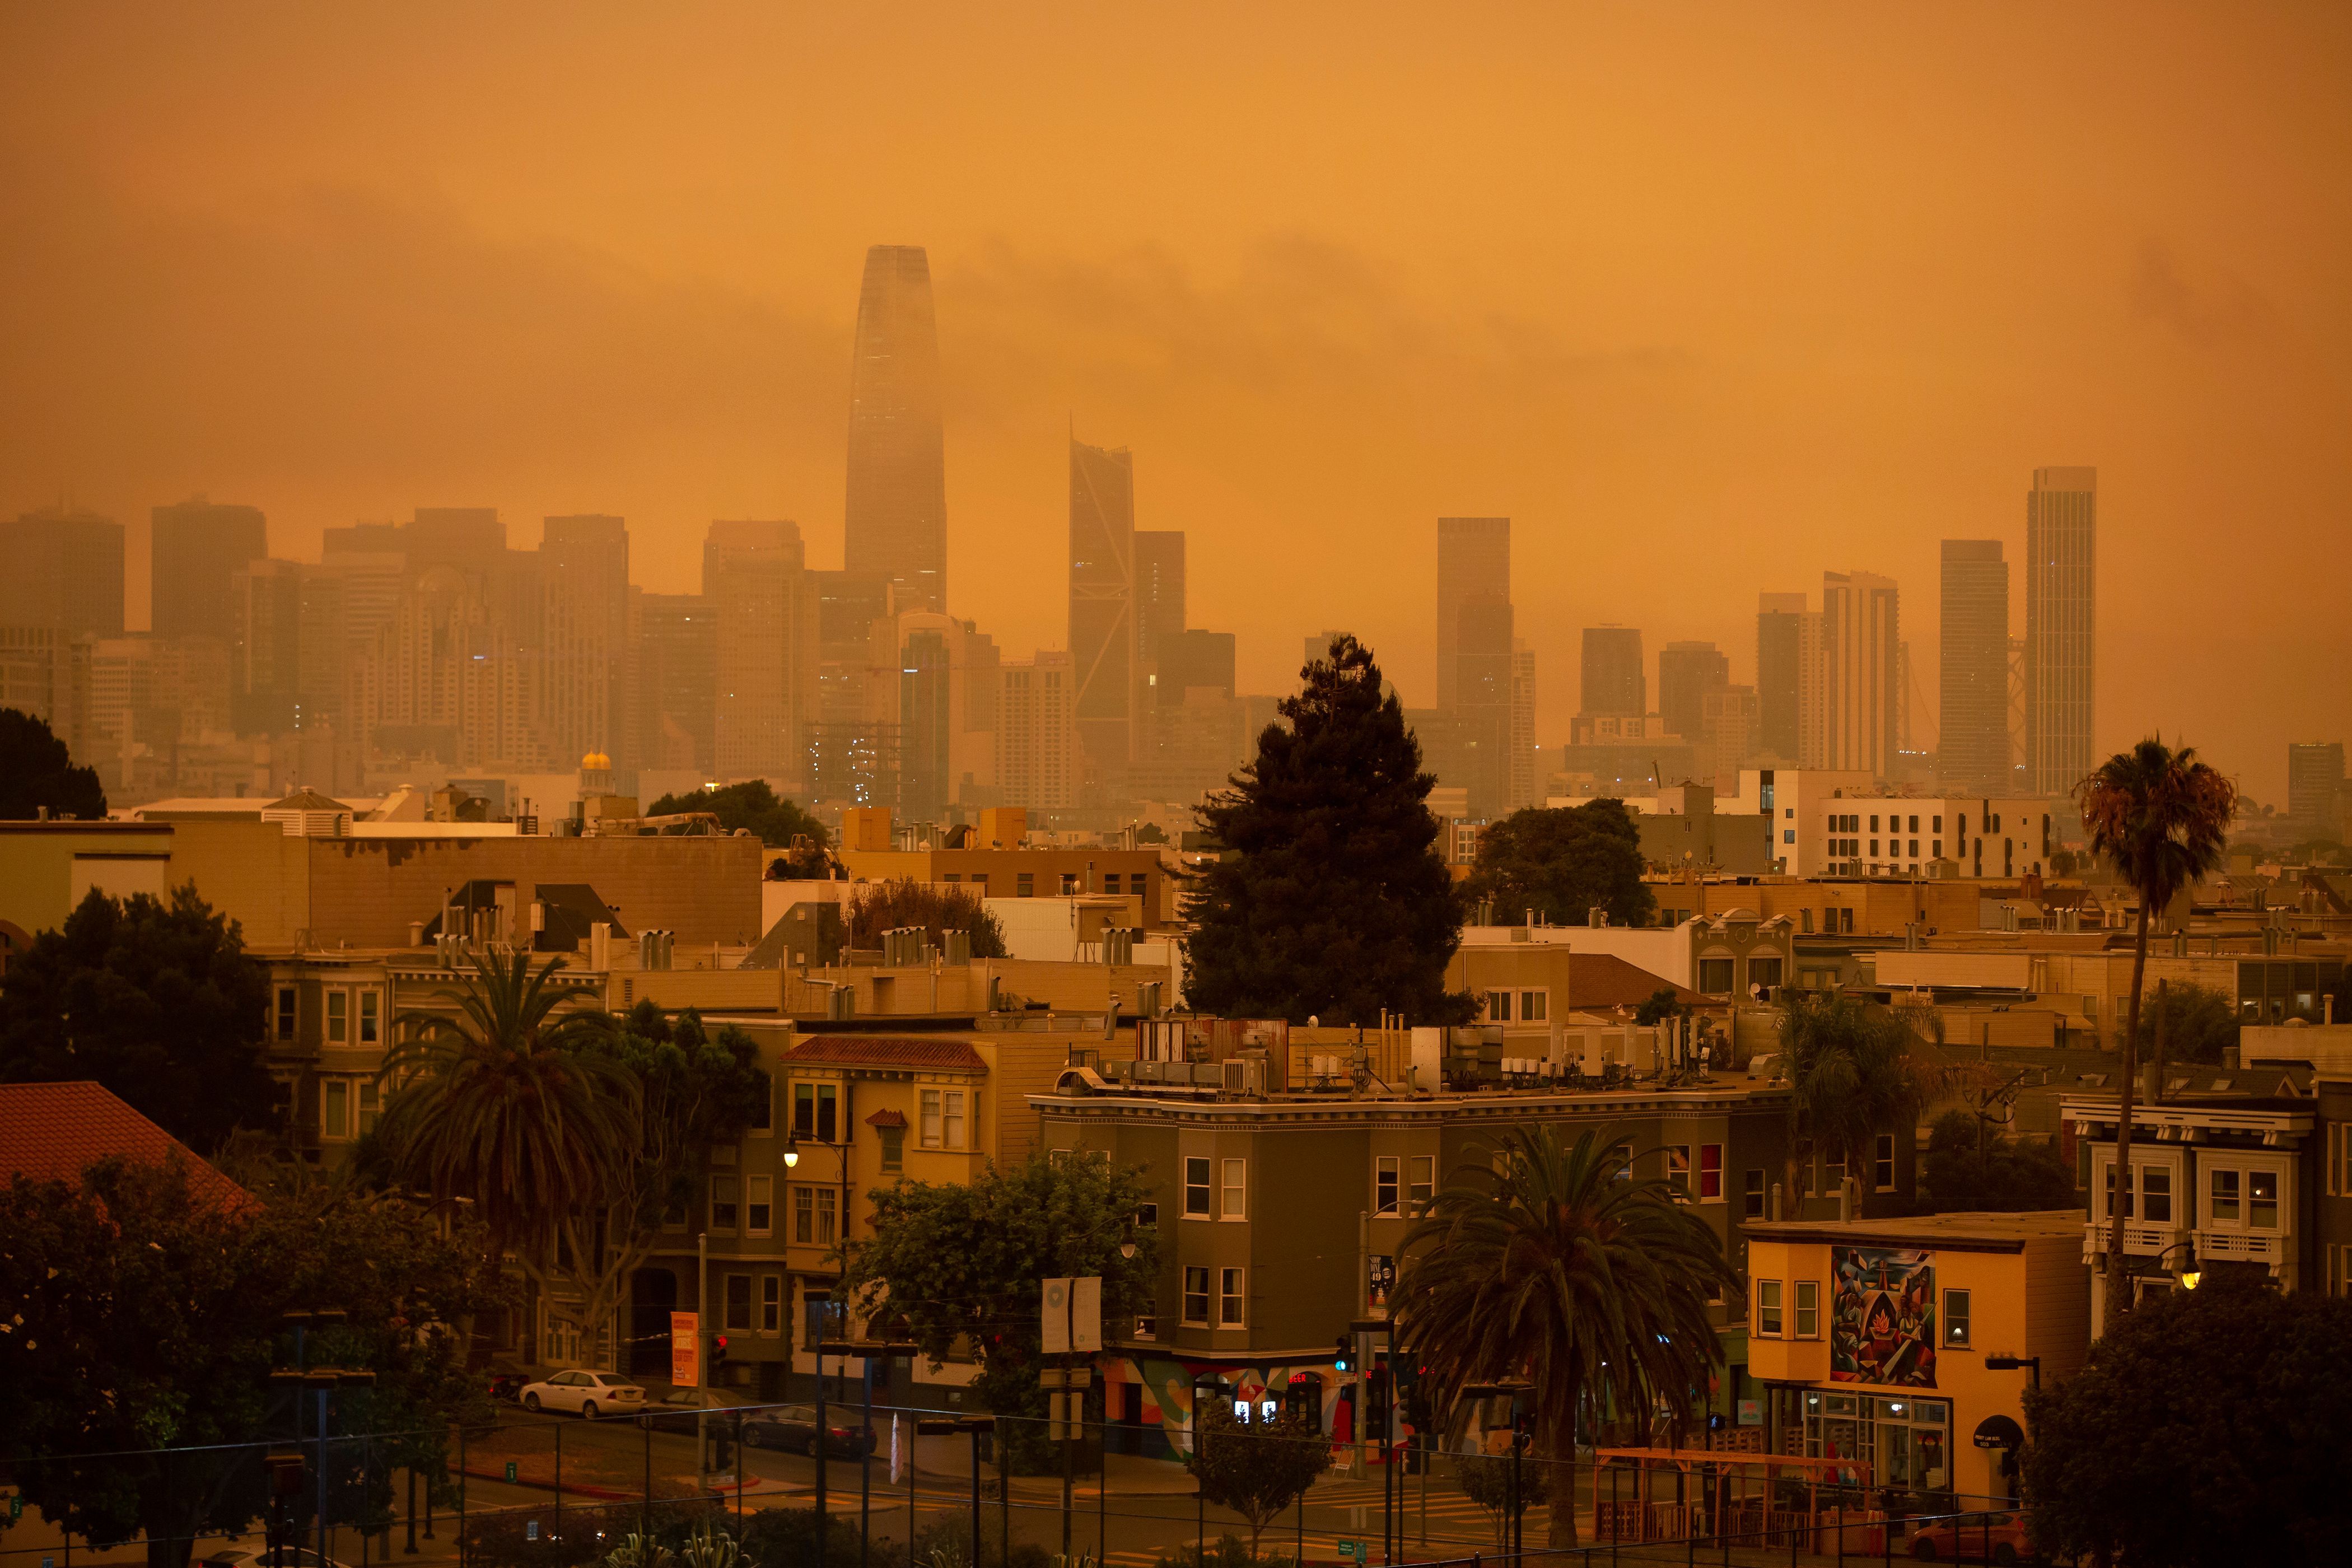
(1379, 1279)
(685, 1350)
(1751, 1413)
(1883, 1316)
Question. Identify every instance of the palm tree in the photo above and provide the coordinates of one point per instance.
(2161, 818)
(1562, 1268)
(501, 1105)
(1855, 1071)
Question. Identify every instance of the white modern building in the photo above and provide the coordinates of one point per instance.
(1841, 823)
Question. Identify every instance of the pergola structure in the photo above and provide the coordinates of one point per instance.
(1625, 1508)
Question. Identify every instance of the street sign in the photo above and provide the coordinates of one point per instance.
(530, 1530)
(1353, 1550)
(686, 1350)
(510, 1469)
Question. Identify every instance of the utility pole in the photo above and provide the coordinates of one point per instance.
(702, 1360)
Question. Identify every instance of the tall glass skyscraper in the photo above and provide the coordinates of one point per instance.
(1972, 729)
(896, 525)
(2061, 626)
(1102, 604)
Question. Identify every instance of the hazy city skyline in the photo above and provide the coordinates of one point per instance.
(517, 305)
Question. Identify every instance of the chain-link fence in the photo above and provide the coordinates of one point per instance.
(931, 1489)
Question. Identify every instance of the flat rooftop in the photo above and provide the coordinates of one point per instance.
(1970, 1232)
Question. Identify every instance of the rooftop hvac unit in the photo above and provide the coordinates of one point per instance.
(1159, 1039)
(842, 1003)
(1242, 1076)
(1119, 945)
(959, 947)
(1147, 999)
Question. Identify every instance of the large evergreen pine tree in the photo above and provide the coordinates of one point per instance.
(1330, 901)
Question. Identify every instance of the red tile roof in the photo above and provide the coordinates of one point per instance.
(887, 1050)
(53, 1131)
(887, 1118)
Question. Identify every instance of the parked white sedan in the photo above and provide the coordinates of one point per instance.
(589, 1393)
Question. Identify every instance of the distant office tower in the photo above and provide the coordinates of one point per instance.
(46, 672)
(1862, 668)
(753, 576)
(1037, 740)
(849, 749)
(2314, 784)
(927, 716)
(678, 681)
(897, 520)
(1687, 672)
(1780, 675)
(1159, 588)
(449, 681)
(195, 545)
(1522, 789)
(1102, 604)
(63, 572)
(265, 637)
(1732, 718)
(1612, 681)
(1474, 587)
(468, 537)
(2061, 626)
(1193, 660)
(584, 659)
(1972, 717)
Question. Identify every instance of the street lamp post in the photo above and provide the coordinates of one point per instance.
(1215, 1386)
(792, 1161)
(886, 1351)
(937, 1426)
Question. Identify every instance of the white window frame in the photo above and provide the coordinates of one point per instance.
(1699, 1172)
(1882, 1158)
(1674, 1161)
(1771, 1298)
(335, 1128)
(339, 1016)
(1232, 1298)
(1186, 1293)
(1207, 1168)
(1498, 1006)
(758, 1194)
(771, 1305)
(371, 1016)
(286, 1022)
(1421, 1184)
(1806, 1303)
(1535, 1004)
(1233, 1182)
(732, 1187)
(1388, 1186)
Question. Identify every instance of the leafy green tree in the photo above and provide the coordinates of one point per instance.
(155, 1000)
(515, 1101)
(1257, 1471)
(2199, 1023)
(1854, 1070)
(152, 1312)
(1970, 1169)
(1486, 1480)
(2207, 1427)
(1564, 1269)
(2161, 818)
(1561, 861)
(900, 901)
(966, 1261)
(1329, 899)
(692, 1089)
(1661, 1005)
(37, 771)
(751, 804)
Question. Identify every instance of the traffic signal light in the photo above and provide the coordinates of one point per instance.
(1379, 1379)
(718, 1351)
(1343, 1358)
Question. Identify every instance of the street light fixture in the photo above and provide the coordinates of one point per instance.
(2033, 1363)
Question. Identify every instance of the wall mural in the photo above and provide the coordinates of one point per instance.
(1883, 1316)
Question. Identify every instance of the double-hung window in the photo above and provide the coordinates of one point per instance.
(772, 1303)
(1767, 1309)
(1424, 1181)
(1882, 1162)
(1809, 1309)
(759, 1208)
(339, 1016)
(1710, 1172)
(2224, 1207)
(1235, 1202)
(815, 1107)
(1386, 1170)
(943, 1118)
(1196, 1295)
(371, 1016)
(1956, 1319)
(1230, 1299)
(1196, 1187)
(724, 1203)
(1677, 1157)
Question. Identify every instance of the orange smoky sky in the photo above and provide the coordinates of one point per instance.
(1708, 299)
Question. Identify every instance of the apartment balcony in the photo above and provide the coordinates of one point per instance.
(2273, 1250)
(2139, 1240)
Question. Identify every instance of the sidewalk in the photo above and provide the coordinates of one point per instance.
(1124, 1475)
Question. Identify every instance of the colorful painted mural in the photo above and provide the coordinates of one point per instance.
(1163, 1407)
(1883, 1317)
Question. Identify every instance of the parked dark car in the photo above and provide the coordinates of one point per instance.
(507, 1382)
(793, 1427)
(677, 1409)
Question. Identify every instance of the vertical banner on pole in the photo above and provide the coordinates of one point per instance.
(1055, 1317)
(1086, 1313)
(685, 1350)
